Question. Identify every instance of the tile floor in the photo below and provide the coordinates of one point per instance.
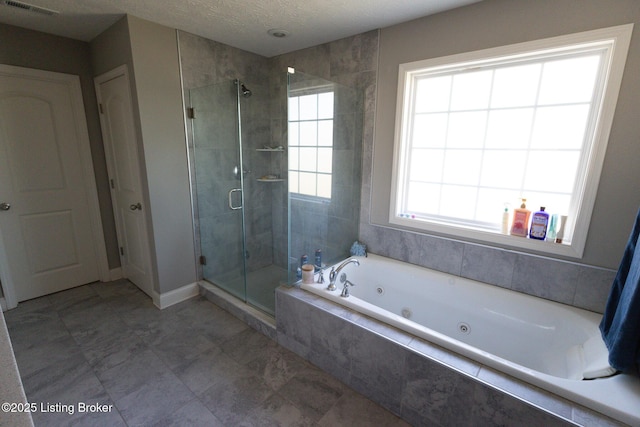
(190, 364)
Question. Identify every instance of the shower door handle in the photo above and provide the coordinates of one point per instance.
(233, 190)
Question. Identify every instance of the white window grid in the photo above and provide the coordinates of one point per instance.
(467, 170)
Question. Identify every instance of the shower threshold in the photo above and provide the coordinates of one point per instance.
(261, 285)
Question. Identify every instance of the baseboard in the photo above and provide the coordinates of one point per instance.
(170, 298)
(115, 274)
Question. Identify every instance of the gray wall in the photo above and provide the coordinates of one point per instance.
(150, 52)
(32, 49)
(494, 23)
(500, 22)
(156, 66)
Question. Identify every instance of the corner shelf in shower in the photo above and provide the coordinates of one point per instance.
(270, 180)
(275, 149)
(270, 149)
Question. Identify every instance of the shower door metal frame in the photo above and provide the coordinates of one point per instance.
(241, 173)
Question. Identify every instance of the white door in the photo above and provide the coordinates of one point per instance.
(121, 149)
(50, 229)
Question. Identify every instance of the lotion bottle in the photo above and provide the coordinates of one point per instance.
(551, 231)
(539, 224)
(560, 233)
(520, 224)
(505, 220)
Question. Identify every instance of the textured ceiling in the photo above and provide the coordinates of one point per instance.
(239, 23)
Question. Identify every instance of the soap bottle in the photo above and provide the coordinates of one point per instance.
(520, 224)
(539, 223)
(505, 220)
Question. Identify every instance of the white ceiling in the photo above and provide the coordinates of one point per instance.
(239, 23)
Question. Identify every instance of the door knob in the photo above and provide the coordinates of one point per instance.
(137, 206)
(5, 206)
(236, 172)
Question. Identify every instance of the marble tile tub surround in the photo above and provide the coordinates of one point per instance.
(424, 384)
(566, 282)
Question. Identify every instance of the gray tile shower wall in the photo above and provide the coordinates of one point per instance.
(351, 63)
(205, 63)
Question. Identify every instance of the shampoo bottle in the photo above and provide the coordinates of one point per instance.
(539, 224)
(520, 224)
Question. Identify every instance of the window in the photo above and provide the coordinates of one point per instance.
(311, 144)
(477, 132)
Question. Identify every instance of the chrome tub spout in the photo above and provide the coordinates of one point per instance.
(333, 275)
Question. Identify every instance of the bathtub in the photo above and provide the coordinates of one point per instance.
(547, 344)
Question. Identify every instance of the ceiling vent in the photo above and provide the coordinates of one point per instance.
(30, 7)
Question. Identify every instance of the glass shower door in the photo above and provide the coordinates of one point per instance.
(218, 185)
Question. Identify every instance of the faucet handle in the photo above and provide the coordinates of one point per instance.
(332, 280)
(320, 276)
(345, 291)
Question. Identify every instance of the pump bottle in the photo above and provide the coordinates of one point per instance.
(520, 223)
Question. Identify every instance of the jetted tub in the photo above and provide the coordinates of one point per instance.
(547, 344)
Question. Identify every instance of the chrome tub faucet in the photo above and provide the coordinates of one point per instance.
(333, 275)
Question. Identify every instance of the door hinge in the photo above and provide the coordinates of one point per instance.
(112, 184)
(101, 109)
(121, 251)
(203, 260)
(191, 113)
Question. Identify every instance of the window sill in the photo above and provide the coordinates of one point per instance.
(565, 249)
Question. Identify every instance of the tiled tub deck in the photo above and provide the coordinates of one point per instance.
(421, 382)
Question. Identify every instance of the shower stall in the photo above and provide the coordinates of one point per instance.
(275, 172)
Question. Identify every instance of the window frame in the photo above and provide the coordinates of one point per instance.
(614, 39)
